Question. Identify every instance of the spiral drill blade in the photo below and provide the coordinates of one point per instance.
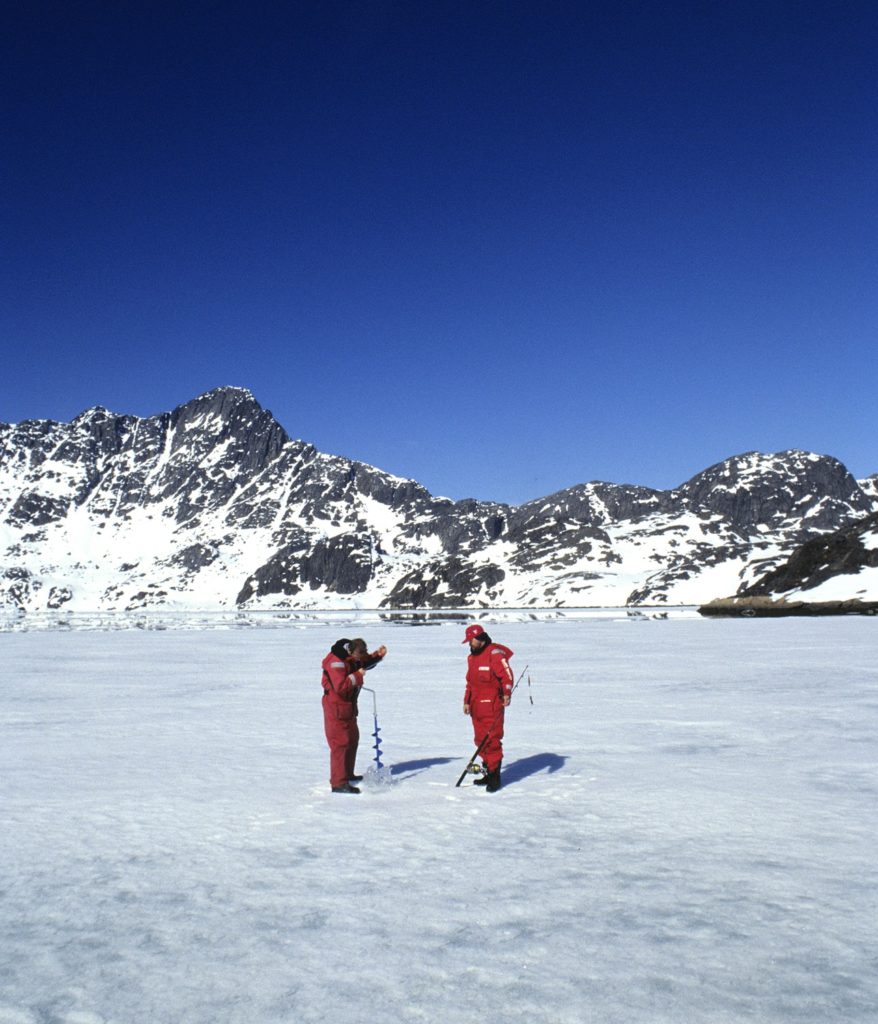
(377, 745)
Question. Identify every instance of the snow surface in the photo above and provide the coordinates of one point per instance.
(862, 585)
(686, 833)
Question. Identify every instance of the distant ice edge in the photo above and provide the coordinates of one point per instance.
(304, 618)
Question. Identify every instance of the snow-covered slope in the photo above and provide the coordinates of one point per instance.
(213, 505)
(840, 566)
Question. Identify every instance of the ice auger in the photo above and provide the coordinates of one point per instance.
(376, 746)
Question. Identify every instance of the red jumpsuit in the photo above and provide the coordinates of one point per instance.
(342, 680)
(488, 679)
(341, 687)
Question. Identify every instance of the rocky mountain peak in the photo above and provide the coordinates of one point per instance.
(756, 490)
(221, 403)
(212, 505)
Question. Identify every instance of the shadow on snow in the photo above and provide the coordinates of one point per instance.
(514, 771)
(518, 770)
(416, 767)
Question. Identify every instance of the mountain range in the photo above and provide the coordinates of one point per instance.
(214, 506)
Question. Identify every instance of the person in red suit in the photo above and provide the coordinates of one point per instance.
(344, 669)
(489, 684)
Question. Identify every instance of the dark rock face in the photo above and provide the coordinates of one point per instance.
(280, 575)
(809, 492)
(37, 509)
(196, 556)
(594, 504)
(342, 564)
(213, 505)
(19, 587)
(842, 553)
(58, 597)
(451, 583)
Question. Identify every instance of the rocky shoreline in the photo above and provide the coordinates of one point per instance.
(765, 607)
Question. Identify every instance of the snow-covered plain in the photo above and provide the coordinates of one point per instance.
(687, 830)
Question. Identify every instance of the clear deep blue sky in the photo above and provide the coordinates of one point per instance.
(501, 248)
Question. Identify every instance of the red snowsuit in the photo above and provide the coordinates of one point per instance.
(342, 679)
(488, 679)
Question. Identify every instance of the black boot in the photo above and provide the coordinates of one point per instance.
(492, 783)
(345, 788)
(482, 780)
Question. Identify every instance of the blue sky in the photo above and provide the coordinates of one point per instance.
(501, 248)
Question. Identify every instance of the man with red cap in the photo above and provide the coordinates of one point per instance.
(489, 683)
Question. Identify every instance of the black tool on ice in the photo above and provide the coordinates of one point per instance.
(471, 767)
